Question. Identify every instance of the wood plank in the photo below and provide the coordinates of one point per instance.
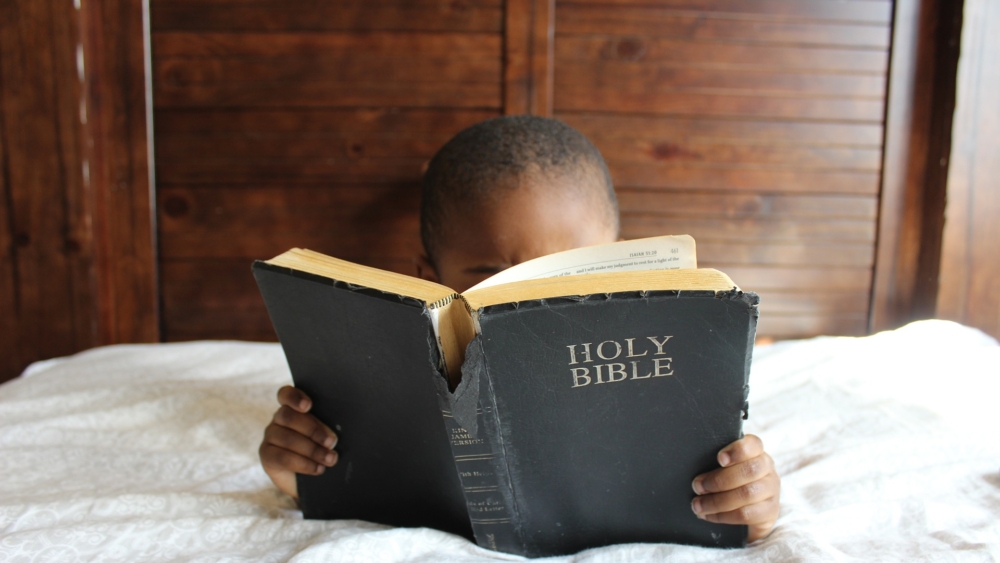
(739, 178)
(358, 223)
(370, 43)
(806, 326)
(709, 103)
(179, 72)
(379, 91)
(321, 15)
(970, 268)
(805, 253)
(751, 230)
(745, 205)
(576, 19)
(45, 264)
(797, 279)
(863, 11)
(645, 77)
(342, 168)
(719, 55)
(814, 303)
(639, 151)
(118, 134)
(528, 56)
(608, 129)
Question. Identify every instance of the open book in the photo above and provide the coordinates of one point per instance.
(562, 404)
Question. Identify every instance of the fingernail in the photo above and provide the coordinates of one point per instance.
(304, 405)
(320, 469)
(329, 459)
(696, 506)
(329, 442)
(697, 486)
(724, 459)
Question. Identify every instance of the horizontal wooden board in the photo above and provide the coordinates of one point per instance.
(666, 50)
(646, 77)
(323, 15)
(664, 203)
(655, 21)
(320, 69)
(358, 223)
(360, 43)
(734, 178)
(219, 299)
(777, 279)
(607, 129)
(858, 11)
(376, 91)
(696, 102)
(321, 124)
(799, 253)
(752, 230)
(638, 150)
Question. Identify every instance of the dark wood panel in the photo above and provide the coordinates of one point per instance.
(803, 326)
(322, 15)
(46, 294)
(703, 103)
(652, 77)
(358, 223)
(862, 11)
(378, 91)
(806, 302)
(745, 205)
(579, 19)
(970, 261)
(374, 43)
(661, 50)
(244, 169)
(528, 56)
(639, 150)
(714, 229)
(734, 178)
(610, 129)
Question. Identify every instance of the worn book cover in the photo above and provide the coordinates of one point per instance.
(540, 416)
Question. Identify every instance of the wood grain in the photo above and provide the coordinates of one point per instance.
(858, 11)
(528, 56)
(321, 15)
(736, 178)
(970, 263)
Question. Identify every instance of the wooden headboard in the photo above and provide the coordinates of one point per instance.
(780, 134)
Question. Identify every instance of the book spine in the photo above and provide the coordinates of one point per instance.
(475, 461)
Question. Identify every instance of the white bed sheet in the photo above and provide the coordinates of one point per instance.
(888, 447)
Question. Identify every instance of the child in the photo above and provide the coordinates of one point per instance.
(499, 193)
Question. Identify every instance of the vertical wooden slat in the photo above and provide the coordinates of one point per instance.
(115, 39)
(45, 261)
(918, 117)
(528, 56)
(970, 262)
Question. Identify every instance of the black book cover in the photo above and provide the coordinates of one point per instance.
(367, 360)
(600, 411)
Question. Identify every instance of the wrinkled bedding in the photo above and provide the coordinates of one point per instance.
(888, 447)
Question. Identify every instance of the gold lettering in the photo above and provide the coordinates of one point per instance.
(658, 367)
(631, 352)
(635, 371)
(612, 370)
(578, 376)
(618, 350)
(597, 368)
(659, 345)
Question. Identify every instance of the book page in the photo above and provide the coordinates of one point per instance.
(655, 253)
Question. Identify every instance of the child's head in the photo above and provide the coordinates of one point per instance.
(508, 190)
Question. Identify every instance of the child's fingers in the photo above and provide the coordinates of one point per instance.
(761, 514)
(747, 447)
(732, 499)
(273, 457)
(734, 476)
(294, 398)
(293, 441)
(307, 425)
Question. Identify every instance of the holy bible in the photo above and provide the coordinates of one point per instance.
(566, 404)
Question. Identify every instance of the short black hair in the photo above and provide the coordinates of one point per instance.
(484, 160)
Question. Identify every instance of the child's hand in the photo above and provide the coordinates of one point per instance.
(744, 491)
(295, 442)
